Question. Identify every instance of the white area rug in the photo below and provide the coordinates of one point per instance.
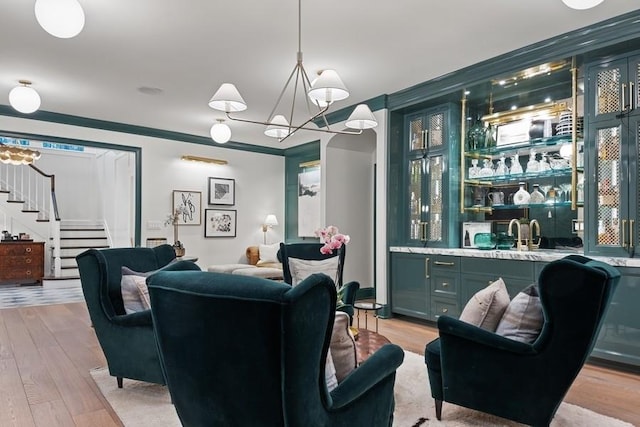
(141, 404)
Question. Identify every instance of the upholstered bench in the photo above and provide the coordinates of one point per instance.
(264, 272)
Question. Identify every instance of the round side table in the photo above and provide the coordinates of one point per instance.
(367, 307)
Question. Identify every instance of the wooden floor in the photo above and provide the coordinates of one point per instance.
(46, 353)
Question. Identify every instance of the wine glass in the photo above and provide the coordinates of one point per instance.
(545, 190)
(566, 189)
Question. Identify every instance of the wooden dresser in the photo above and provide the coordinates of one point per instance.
(21, 262)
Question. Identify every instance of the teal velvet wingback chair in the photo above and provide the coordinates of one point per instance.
(127, 340)
(244, 351)
(525, 382)
(311, 251)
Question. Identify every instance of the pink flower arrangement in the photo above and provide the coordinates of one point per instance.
(332, 239)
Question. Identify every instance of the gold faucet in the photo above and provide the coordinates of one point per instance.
(533, 225)
(519, 245)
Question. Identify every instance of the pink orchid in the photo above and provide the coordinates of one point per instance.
(332, 239)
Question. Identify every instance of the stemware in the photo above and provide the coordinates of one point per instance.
(545, 190)
(566, 189)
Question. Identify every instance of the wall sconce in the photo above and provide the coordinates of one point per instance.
(204, 160)
(269, 222)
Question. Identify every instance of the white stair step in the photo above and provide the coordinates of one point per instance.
(69, 242)
(82, 233)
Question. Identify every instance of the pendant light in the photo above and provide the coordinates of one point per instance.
(24, 98)
(220, 132)
(582, 4)
(60, 18)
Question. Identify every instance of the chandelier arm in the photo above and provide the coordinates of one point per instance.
(296, 128)
(284, 89)
(306, 85)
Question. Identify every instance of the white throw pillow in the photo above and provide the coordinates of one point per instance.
(131, 293)
(343, 346)
(268, 254)
(303, 268)
(486, 307)
(330, 373)
(523, 319)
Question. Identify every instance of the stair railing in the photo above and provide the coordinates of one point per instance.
(37, 191)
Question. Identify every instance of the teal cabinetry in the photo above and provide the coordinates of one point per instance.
(619, 338)
(445, 285)
(429, 180)
(410, 285)
(480, 272)
(613, 116)
(425, 286)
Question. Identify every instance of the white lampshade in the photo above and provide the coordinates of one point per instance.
(328, 88)
(270, 220)
(60, 18)
(279, 127)
(24, 98)
(220, 133)
(227, 99)
(361, 118)
(582, 4)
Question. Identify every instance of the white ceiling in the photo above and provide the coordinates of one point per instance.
(188, 48)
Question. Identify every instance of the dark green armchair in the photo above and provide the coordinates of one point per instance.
(127, 340)
(311, 251)
(244, 351)
(478, 369)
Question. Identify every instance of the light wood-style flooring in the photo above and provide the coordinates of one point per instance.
(46, 353)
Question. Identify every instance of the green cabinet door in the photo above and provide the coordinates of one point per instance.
(410, 285)
(619, 338)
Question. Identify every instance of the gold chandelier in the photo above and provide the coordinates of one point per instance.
(17, 155)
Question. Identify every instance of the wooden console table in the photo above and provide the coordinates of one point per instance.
(21, 262)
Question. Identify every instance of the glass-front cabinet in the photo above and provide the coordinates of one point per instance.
(614, 138)
(429, 145)
(523, 155)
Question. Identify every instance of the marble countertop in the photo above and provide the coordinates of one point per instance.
(543, 255)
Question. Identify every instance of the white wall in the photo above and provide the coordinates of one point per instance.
(380, 226)
(349, 200)
(259, 186)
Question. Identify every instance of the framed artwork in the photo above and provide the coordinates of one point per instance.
(189, 205)
(220, 223)
(469, 231)
(309, 202)
(222, 191)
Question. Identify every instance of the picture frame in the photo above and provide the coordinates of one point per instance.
(220, 223)
(222, 191)
(469, 231)
(189, 203)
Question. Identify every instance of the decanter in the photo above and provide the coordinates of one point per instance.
(543, 164)
(536, 196)
(532, 164)
(516, 167)
(487, 169)
(521, 197)
(501, 167)
(474, 170)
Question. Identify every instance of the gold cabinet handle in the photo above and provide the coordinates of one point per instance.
(624, 236)
(426, 268)
(446, 264)
(632, 97)
(623, 94)
(423, 231)
(445, 285)
(445, 310)
(631, 221)
(27, 250)
(27, 261)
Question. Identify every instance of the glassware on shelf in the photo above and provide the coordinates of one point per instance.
(516, 167)
(490, 136)
(580, 188)
(476, 136)
(474, 170)
(565, 188)
(501, 167)
(532, 164)
(543, 164)
(545, 191)
(521, 197)
(486, 170)
(536, 197)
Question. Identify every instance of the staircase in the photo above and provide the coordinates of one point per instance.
(76, 238)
